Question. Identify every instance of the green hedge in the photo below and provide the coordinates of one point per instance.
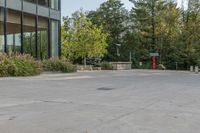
(106, 66)
(18, 65)
(25, 65)
(58, 65)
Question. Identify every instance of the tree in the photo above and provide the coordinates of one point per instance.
(193, 5)
(151, 26)
(190, 33)
(146, 16)
(114, 18)
(168, 32)
(82, 39)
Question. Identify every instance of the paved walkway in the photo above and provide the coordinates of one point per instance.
(101, 102)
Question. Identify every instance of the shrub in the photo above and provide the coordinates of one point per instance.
(106, 66)
(58, 65)
(18, 65)
(25, 65)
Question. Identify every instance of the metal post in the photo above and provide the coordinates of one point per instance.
(36, 31)
(118, 52)
(154, 63)
(85, 62)
(14, 45)
(22, 28)
(176, 66)
(5, 26)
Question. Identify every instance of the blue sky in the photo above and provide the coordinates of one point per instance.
(69, 6)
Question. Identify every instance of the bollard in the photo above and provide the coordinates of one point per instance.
(191, 68)
(196, 69)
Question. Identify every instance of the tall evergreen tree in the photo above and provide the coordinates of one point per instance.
(146, 16)
(193, 5)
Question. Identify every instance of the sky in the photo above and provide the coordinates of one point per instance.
(70, 6)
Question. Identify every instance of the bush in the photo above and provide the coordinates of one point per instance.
(18, 65)
(106, 66)
(58, 65)
(25, 65)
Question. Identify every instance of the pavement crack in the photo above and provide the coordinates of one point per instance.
(58, 102)
(129, 113)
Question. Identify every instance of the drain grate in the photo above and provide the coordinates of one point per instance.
(105, 89)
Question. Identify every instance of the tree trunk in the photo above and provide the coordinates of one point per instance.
(85, 62)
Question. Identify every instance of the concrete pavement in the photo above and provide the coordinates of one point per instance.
(138, 101)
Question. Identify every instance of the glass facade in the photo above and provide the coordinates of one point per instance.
(13, 32)
(1, 29)
(33, 1)
(54, 4)
(42, 38)
(43, 2)
(30, 33)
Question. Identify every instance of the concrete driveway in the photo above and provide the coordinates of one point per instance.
(101, 102)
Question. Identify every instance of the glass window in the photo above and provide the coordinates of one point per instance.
(54, 4)
(1, 30)
(13, 31)
(42, 38)
(32, 1)
(54, 38)
(29, 34)
(43, 2)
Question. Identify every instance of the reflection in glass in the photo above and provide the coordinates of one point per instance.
(32, 1)
(43, 2)
(13, 32)
(42, 39)
(54, 4)
(1, 30)
(14, 29)
(29, 34)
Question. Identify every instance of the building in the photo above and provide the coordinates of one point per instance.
(30, 26)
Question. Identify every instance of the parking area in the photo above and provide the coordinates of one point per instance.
(137, 101)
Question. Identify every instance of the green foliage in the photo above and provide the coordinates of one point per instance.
(25, 65)
(106, 66)
(58, 65)
(170, 31)
(114, 18)
(148, 16)
(151, 26)
(82, 39)
(19, 65)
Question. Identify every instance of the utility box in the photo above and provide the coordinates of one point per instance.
(191, 68)
(196, 69)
